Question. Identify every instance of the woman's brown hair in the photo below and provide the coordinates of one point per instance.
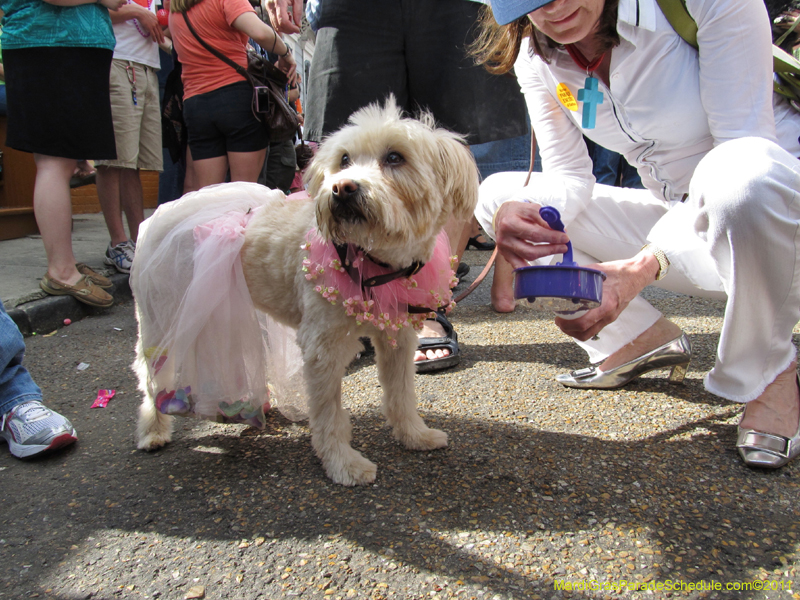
(497, 46)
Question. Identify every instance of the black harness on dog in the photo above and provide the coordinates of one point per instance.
(412, 269)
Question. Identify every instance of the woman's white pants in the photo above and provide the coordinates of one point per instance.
(735, 237)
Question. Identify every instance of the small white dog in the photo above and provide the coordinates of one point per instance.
(353, 260)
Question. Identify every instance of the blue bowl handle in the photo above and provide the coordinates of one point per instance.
(553, 218)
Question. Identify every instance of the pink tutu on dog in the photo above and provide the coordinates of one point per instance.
(209, 352)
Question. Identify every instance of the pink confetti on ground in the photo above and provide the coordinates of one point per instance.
(103, 396)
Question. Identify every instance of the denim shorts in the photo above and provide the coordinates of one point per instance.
(222, 121)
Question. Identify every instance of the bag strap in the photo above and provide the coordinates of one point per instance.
(680, 19)
(239, 68)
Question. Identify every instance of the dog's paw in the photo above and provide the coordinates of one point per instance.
(425, 439)
(153, 441)
(354, 470)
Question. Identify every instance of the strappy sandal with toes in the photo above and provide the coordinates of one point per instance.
(449, 342)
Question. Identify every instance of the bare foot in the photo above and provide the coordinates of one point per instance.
(431, 329)
(661, 332)
(777, 409)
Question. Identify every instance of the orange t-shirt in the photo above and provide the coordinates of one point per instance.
(202, 71)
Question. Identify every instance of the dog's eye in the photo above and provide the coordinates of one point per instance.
(394, 158)
(345, 162)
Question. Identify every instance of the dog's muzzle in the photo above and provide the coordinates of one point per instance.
(346, 201)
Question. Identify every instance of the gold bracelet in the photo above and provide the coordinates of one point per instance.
(663, 261)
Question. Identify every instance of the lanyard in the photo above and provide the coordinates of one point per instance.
(131, 73)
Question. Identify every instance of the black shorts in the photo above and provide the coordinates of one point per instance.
(59, 102)
(415, 49)
(222, 121)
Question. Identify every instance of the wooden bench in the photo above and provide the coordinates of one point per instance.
(16, 191)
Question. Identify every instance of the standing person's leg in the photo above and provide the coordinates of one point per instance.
(206, 154)
(52, 205)
(358, 59)
(25, 423)
(496, 157)
(246, 166)
(109, 195)
(464, 97)
(512, 154)
(149, 156)
(171, 179)
(80, 129)
(120, 189)
(502, 294)
(126, 117)
(605, 164)
(131, 197)
(137, 132)
(208, 171)
(190, 174)
(281, 165)
(629, 176)
(444, 79)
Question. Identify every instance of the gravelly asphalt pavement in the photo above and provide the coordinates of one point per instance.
(541, 487)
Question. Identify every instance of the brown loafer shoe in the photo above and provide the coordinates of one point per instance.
(84, 291)
(94, 276)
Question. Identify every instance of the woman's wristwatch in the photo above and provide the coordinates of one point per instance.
(663, 261)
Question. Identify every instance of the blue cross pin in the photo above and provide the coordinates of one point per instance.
(591, 97)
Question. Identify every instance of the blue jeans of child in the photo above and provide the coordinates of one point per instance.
(16, 385)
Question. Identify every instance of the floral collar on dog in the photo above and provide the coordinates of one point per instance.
(387, 304)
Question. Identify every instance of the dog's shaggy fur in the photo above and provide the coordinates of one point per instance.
(403, 178)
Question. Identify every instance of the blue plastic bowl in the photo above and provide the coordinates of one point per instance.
(564, 288)
(560, 288)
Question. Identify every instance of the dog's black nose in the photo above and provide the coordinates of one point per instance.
(344, 189)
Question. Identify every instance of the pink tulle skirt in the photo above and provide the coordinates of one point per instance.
(209, 352)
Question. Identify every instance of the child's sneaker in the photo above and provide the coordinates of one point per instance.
(120, 256)
(31, 428)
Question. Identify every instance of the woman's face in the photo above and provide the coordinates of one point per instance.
(567, 21)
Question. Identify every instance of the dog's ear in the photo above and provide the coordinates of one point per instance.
(459, 175)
